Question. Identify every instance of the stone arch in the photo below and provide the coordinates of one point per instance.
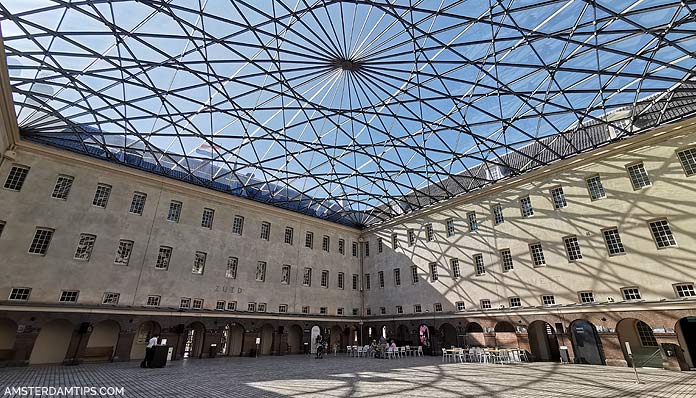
(543, 342)
(145, 330)
(402, 336)
(448, 335)
(314, 332)
(267, 334)
(642, 341)
(587, 346)
(234, 334)
(336, 338)
(295, 335)
(505, 335)
(474, 335)
(194, 334)
(8, 336)
(102, 341)
(686, 335)
(52, 344)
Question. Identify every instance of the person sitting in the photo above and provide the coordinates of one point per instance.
(392, 346)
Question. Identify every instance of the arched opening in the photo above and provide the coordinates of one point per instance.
(232, 340)
(295, 339)
(505, 335)
(8, 335)
(449, 335)
(474, 335)
(354, 337)
(266, 347)
(686, 334)
(586, 343)
(640, 337)
(51, 345)
(384, 333)
(402, 336)
(543, 343)
(194, 334)
(102, 341)
(336, 338)
(145, 331)
(316, 331)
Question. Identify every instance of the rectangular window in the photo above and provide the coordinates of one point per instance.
(414, 274)
(367, 249)
(339, 311)
(265, 231)
(305, 309)
(613, 241)
(355, 249)
(197, 304)
(237, 225)
(558, 197)
(395, 241)
(261, 271)
(288, 235)
(485, 304)
(324, 279)
(460, 306)
(110, 298)
(662, 234)
(163, 257)
(515, 302)
(356, 311)
(380, 279)
(638, 176)
(473, 223)
(537, 253)
(137, 203)
(399, 309)
(595, 188)
(84, 247)
(687, 158)
(548, 299)
(454, 263)
(586, 297)
(367, 281)
(433, 271)
(526, 207)
(68, 296)
(261, 307)
(341, 246)
(380, 245)
(153, 301)
(429, 232)
(285, 275)
(185, 303)
(283, 308)
(382, 310)
(207, 218)
(341, 280)
(220, 305)
(198, 263)
(123, 252)
(630, 293)
(2, 227)
(417, 308)
(309, 240)
(685, 290)
(42, 239)
(231, 306)
(307, 277)
(449, 225)
(572, 247)
(323, 310)
(397, 276)
(506, 259)
(62, 188)
(479, 266)
(101, 195)
(231, 271)
(498, 217)
(251, 307)
(368, 311)
(174, 211)
(355, 281)
(19, 294)
(15, 180)
(437, 307)
(325, 243)
(411, 237)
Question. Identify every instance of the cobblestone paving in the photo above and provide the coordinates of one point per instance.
(303, 376)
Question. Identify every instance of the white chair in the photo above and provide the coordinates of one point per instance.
(391, 353)
(420, 351)
(349, 351)
(446, 355)
(359, 351)
(402, 352)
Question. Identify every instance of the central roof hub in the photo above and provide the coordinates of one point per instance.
(347, 65)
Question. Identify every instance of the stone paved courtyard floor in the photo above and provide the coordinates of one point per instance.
(303, 376)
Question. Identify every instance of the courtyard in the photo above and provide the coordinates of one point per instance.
(303, 376)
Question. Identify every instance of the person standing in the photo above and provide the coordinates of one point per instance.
(150, 351)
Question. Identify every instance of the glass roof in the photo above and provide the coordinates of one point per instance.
(351, 111)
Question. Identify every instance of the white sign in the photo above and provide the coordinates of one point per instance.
(258, 340)
(628, 348)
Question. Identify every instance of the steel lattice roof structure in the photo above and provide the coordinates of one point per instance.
(351, 111)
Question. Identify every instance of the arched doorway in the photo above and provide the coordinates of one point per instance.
(505, 335)
(448, 334)
(586, 343)
(295, 339)
(543, 343)
(102, 341)
(233, 336)
(51, 345)
(642, 341)
(686, 334)
(145, 331)
(266, 347)
(194, 334)
(474, 335)
(8, 335)
(316, 331)
(336, 338)
(402, 336)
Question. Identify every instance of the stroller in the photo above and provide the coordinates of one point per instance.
(321, 348)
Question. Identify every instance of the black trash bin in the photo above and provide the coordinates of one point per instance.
(212, 351)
